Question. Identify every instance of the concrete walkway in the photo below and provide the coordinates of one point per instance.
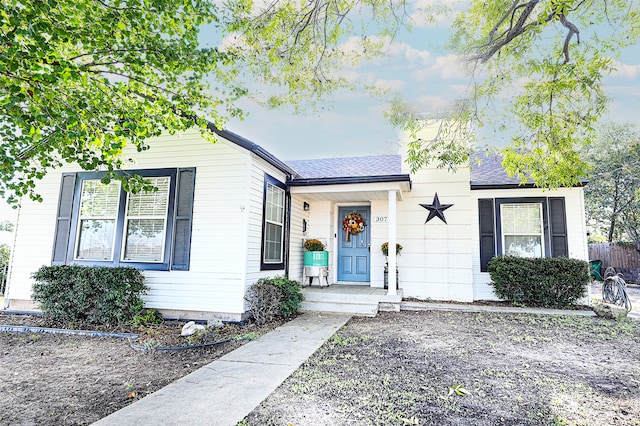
(226, 390)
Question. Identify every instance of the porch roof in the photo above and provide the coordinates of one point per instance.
(341, 167)
(347, 179)
(353, 190)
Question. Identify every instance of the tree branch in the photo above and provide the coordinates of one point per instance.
(572, 30)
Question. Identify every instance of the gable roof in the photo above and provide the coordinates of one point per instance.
(252, 147)
(486, 168)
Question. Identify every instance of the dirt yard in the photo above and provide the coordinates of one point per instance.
(415, 368)
(395, 369)
(52, 379)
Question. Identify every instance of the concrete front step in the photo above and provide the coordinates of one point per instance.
(350, 299)
(362, 309)
(320, 294)
(389, 307)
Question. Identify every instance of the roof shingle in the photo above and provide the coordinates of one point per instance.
(380, 165)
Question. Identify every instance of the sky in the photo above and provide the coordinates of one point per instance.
(423, 72)
(418, 67)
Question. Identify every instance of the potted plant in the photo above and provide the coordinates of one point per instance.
(385, 251)
(313, 245)
(315, 254)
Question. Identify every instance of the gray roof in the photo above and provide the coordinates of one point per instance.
(486, 170)
(379, 165)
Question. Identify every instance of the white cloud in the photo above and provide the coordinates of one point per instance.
(623, 91)
(451, 66)
(391, 85)
(399, 49)
(233, 40)
(436, 13)
(626, 70)
(430, 104)
(448, 67)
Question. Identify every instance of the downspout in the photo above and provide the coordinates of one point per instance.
(287, 231)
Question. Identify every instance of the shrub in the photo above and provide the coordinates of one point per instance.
(270, 298)
(264, 301)
(291, 295)
(5, 253)
(148, 317)
(98, 295)
(542, 282)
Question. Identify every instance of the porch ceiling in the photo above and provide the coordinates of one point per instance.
(351, 193)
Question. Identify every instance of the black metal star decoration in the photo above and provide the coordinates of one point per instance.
(436, 209)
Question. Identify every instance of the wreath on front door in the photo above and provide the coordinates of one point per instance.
(353, 223)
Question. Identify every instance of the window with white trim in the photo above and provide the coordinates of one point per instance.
(273, 228)
(145, 223)
(96, 232)
(522, 229)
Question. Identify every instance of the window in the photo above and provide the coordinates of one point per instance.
(100, 224)
(145, 223)
(526, 227)
(97, 221)
(273, 228)
(522, 234)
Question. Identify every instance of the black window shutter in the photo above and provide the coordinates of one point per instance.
(185, 186)
(487, 232)
(63, 220)
(558, 220)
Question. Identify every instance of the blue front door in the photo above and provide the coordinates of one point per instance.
(354, 254)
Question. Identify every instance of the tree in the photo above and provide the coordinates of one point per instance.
(81, 79)
(7, 225)
(538, 67)
(5, 254)
(612, 196)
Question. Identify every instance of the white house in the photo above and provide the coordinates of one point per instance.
(229, 213)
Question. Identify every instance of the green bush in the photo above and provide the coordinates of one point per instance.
(291, 295)
(549, 282)
(97, 295)
(5, 253)
(148, 317)
(270, 298)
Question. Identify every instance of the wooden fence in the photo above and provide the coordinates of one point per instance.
(624, 258)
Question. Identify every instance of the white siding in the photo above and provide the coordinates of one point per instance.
(296, 250)
(379, 234)
(215, 281)
(254, 200)
(436, 260)
(576, 228)
(322, 219)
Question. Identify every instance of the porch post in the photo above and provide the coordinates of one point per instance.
(393, 285)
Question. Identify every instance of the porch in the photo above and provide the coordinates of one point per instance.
(355, 299)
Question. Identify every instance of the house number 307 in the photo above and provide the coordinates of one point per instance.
(380, 219)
